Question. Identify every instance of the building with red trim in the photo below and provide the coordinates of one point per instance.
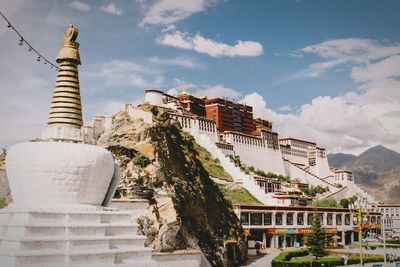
(230, 116)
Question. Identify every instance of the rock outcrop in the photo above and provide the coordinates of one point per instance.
(158, 162)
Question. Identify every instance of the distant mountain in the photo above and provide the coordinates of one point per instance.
(341, 160)
(377, 170)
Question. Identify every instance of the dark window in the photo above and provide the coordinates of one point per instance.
(244, 218)
(256, 218)
(289, 219)
(338, 219)
(267, 218)
(347, 219)
(321, 217)
(329, 219)
(278, 219)
(309, 218)
(300, 218)
(373, 219)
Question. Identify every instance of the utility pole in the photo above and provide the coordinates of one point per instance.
(360, 211)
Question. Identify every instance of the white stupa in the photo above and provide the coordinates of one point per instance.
(60, 189)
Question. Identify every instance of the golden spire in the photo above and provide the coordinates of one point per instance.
(66, 108)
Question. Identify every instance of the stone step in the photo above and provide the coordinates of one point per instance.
(74, 243)
(130, 204)
(95, 257)
(21, 231)
(32, 217)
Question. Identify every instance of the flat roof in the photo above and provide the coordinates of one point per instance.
(243, 134)
(296, 139)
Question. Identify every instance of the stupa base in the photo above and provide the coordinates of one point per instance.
(81, 236)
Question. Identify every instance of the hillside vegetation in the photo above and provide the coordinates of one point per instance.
(239, 196)
(211, 164)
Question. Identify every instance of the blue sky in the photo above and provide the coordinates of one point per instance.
(327, 71)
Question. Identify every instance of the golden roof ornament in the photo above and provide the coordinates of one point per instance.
(69, 48)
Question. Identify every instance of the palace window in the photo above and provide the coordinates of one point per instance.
(338, 219)
(256, 218)
(244, 218)
(329, 219)
(300, 218)
(347, 219)
(267, 218)
(373, 219)
(278, 218)
(289, 219)
(309, 218)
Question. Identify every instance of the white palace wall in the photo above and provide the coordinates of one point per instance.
(322, 168)
(253, 152)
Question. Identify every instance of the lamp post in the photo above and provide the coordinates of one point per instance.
(384, 235)
(359, 211)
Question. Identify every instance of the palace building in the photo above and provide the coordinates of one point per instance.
(278, 226)
(230, 116)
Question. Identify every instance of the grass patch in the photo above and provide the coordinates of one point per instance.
(238, 196)
(301, 258)
(327, 202)
(211, 164)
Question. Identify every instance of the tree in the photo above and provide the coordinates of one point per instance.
(316, 239)
(345, 202)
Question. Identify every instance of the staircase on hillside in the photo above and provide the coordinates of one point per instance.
(329, 184)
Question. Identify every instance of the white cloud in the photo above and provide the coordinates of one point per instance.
(112, 9)
(177, 61)
(386, 68)
(211, 91)
(353, 51)
(169, 11)
(78, 5)
(285, 108)
(220, 91)
(120, 73)
(367, 116)
(210, 47)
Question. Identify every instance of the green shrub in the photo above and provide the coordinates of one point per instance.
(288, 259)
(260, 173)
(141, 160)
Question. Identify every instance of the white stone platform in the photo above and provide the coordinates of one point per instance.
(71, 238)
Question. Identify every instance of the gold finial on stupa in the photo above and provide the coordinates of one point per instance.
(66, 108)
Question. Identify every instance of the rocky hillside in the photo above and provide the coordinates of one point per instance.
(377, 170)
(160, 163)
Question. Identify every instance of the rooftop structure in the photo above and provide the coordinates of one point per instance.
(230, 116)
(192, 104)
(65, 116)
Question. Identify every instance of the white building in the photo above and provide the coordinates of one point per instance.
(278, 226)
(391, 216)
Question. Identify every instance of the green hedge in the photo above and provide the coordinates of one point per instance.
(284, 259)
(397, 242)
